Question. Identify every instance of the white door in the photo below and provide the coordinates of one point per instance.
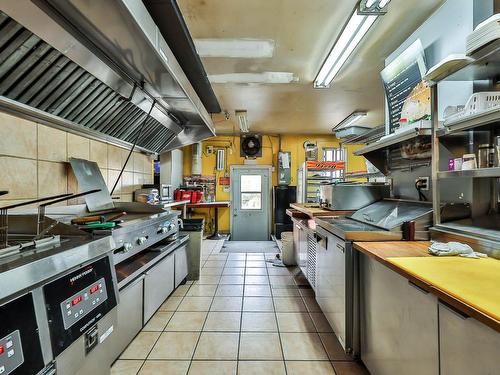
(250, 203)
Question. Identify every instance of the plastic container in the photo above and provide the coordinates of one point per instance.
(287, 254)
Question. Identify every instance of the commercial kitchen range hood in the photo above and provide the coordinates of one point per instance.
(96, 68)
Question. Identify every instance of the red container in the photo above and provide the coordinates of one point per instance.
(178, 194)
(187, 196)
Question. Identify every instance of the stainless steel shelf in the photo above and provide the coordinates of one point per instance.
(370, 136)
(474, 173)
(391, 141)
(470, 122)
(364, 175)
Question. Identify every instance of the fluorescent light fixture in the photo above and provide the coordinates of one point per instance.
(381, 3)
(235, 48)
(354, 31)
(264, 77)
(350, 120)
(241, 116)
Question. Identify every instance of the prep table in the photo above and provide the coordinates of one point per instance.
(415, 320)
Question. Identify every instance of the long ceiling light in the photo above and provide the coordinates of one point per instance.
(352, 34)
(350, 120)
(381, 3)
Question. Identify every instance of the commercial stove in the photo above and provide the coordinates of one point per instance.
(141, 226)
(337, 279)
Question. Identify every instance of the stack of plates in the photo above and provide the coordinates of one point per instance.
(485, 33)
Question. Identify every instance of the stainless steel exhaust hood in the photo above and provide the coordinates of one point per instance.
(95, 68)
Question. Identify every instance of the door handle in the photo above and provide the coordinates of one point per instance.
(453, 310)
(341, 248)
(419, 288)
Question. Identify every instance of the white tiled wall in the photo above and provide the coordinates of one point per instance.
(34, 162)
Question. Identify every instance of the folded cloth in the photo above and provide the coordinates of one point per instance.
(454, 248)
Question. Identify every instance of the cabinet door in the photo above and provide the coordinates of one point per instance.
(332, 292)
(302, 261)
(181, 265)
(399, 323)
(129, 317)
(158, 284)
(466, 345)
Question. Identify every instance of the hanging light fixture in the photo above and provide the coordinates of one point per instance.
(350, 120)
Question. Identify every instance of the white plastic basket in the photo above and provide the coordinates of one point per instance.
(478, 103)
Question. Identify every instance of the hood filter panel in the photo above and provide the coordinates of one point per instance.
(37, 75)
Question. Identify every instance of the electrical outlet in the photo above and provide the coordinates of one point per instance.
(210, 150)
(424, 182)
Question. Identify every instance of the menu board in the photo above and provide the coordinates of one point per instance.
(402, 81)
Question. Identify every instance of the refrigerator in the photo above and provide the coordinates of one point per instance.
(283, 195)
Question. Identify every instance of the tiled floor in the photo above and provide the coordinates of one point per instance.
(243, 317)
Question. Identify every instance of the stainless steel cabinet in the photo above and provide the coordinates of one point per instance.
(331, 282)
(158, 284)
(399, 323)
(181, 265)
(130, 311)
(466, 345)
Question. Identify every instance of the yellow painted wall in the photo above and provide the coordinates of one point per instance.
(291, 143)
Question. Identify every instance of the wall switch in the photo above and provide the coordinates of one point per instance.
(424, 182)
(210, 150)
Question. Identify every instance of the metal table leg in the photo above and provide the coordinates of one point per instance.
(217, 235)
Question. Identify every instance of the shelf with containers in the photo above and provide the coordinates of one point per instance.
(473, 134)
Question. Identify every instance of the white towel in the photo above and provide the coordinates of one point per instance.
(454, 248)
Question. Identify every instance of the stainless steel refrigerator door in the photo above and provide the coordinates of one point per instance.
(331, 283)
(158, 284)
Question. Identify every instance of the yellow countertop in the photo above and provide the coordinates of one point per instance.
(476, 282)
(469, 285)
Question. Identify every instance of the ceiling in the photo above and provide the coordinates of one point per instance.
(303, 32)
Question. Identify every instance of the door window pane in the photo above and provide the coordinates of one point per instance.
(251, 201)
(251, 183)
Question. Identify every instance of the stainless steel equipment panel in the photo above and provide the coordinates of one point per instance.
(181, 265)
(312, 259)
(89, 177)
(158, 284)
(399, 321)
(82, 303)
(20, 344)
(351, 196)
(331, 293)
(466, 346)
(389, 214)
(11, 352)
(129, 321)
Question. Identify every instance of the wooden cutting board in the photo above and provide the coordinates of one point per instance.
(316, 211)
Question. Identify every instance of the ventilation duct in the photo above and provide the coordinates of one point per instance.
(95, 68)
(196, 165)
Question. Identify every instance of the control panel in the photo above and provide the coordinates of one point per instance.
(80, 304)
(131, 242)
(11, 353)
(78, 300)
(20, 347)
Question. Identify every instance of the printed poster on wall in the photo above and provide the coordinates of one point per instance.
(408, 96)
